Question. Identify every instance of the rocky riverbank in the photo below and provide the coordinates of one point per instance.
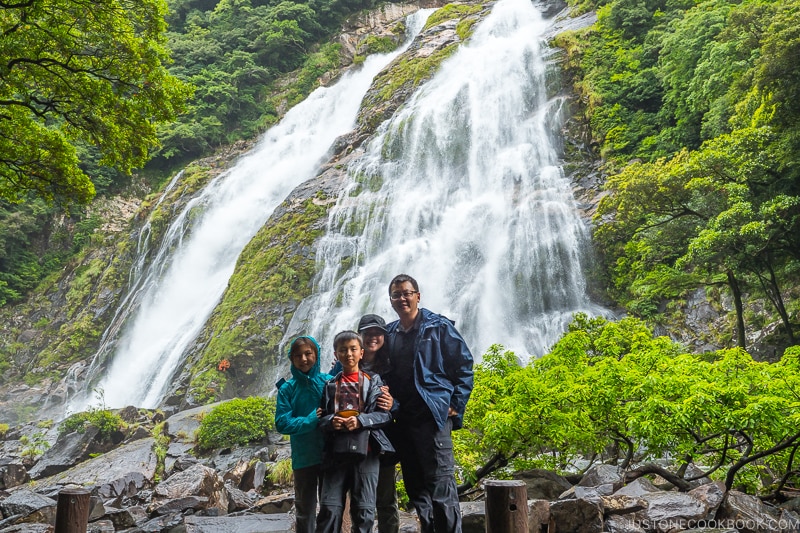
(153, 477)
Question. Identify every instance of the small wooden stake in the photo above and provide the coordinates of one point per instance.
(506, 506)
(72, 511)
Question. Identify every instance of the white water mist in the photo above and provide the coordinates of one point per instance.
(199, 252)
(463, 189)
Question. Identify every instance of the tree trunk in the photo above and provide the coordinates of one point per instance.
(733, 283)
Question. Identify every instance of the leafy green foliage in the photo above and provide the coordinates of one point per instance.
(35, 242)
(68, 79)
(106, 421)
(610, 390)
(704, 96)
(33, 446)
(234, 52)
(237, 421)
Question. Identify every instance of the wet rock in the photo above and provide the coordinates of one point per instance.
(69, 450)
(236, 473)
(253, 478)
(101, 526)
(666, 509)
(178, 505)
(28, 507)
(603, 475)
(140, 432)
(592, 494)
(29, 528)
(123, 471)
(575, 516)
(273, 504)
(620, 504)
(543, 484)
(198, 480)
(12, 474)
(748, 513)
(711, 494)
(638, 488)
(238, 500)
(96, 508)
(693, 471)
(125, 518)
(183, 425)
(623, 524)
(259, 523)
(162, 523)
(473, 517)
(538, 515)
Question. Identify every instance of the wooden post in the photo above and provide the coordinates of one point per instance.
(506, 506)
(72, 511)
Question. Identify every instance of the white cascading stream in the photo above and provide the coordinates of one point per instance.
(463, 190)
(199, 252)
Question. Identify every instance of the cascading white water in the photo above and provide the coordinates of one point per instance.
(463, 190)
(199, 252)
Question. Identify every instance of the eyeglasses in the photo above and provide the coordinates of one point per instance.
(404, 294)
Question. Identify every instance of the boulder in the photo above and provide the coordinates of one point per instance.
(473, 517)
(274, 504)
(12, 473)
(538, 515)
(259, 523)
(27, 507)
(543, 484)
(68, 450)
(162, 523)
(182, 425)
(126, 518)
(638, 488)
(711, 494)
(199, 480)
(238, 500)
(667, 511)
(603, 475)
(575, 516)
(121, 472)
(236, 473)
(749, 513)
(101, 526)
(253, 478)
(621, 504)
(623, 524)
(178, 505)
(28, 528)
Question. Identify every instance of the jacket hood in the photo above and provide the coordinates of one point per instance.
(315, 370)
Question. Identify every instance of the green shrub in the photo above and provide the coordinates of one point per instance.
(237, 421)
(3, 430)
(103, 419)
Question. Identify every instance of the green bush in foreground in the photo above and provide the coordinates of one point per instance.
(611, 391)
(237, 421)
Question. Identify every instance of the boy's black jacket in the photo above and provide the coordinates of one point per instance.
(371, 418)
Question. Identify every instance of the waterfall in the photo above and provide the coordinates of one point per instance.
(463, 190)
(198, 254)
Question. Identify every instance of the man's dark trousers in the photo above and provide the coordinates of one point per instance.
(428, 465)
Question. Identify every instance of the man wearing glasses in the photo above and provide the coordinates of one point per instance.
(431, 380)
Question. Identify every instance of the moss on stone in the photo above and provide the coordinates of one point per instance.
(274, 271)
(450, 12)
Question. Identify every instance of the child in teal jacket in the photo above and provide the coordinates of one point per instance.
(296, 416)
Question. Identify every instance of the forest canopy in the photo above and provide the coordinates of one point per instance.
(694, 107)
(80, 74)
